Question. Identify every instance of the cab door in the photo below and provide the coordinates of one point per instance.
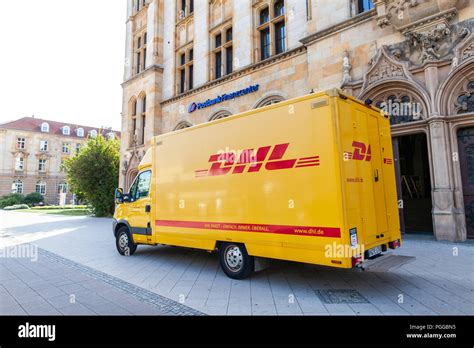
(139, 207)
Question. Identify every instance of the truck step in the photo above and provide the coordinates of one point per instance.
(387, 262)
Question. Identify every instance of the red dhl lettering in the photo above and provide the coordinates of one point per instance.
(252, 161)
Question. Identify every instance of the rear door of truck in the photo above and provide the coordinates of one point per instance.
(363, 181)
(376, 161)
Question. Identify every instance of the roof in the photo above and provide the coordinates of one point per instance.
(33, 124)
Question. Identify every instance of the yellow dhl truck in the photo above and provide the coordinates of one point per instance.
(310, 180)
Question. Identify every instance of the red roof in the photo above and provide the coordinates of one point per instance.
(34, 124)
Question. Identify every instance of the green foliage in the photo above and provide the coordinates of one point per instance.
(34, 198)
(11, 199)
(93, 173)
(17, 207)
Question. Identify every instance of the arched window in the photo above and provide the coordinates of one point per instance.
(62, 188)
(80, 132)
(66, 130)
(465, 101)
(401, 106)
(270, 100)
(182, 125)
(93, 133)
(17, 186)
(219, 115)
(41, 187)
(45, 127)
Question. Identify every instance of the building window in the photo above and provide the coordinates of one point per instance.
(19, 163)
(80, 132)
(17, 187)
(42, 165)
(65, 148)
(62, 188)
(280, 37)
(222, 53)
(143, 116)
(264, 16)
(43, 145)
(78, 148)
(21, 143)
(186, 8)
(465, 101)
(45, 127)
(140, 52)
(364, 6)
(185, 70)
(66, 130)
(265, 43)
(93, 134)
(41, 188)
(271, 25)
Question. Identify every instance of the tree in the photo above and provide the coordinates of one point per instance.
(93, 173)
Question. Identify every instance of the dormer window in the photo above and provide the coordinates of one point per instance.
(66, 130)
(93, 133)
(111, 135)
(45, 127)
(80, 132)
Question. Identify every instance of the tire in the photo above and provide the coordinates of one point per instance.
(124, 242)
(235, 261)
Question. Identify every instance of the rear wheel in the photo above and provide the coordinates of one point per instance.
(124, 242)
(235, 261)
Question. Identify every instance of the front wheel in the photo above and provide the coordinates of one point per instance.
(124, 242)
(235, 261)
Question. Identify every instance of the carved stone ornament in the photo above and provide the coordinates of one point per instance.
(405, 15)
(384, 68)
(434, 44)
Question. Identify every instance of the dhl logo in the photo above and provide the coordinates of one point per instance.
(361, 152)
(251, 161)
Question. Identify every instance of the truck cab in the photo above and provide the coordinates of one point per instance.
(132, 218)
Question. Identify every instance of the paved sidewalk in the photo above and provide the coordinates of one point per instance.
(47, 284)
(439, 281)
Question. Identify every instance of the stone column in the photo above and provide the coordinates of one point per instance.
(444, 221)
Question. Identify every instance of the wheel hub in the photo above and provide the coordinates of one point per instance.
(234, 258)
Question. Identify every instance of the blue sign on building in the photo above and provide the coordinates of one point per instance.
(222, 98)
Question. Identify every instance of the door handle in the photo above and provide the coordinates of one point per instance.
(376, 175)
(147, 208)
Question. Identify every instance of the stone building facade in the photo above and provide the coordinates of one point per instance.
(189, 62)
(32, 150)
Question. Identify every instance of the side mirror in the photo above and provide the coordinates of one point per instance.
(119, 196)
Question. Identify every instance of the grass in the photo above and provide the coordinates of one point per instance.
(58, 211)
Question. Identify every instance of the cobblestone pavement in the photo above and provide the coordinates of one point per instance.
(163, 278)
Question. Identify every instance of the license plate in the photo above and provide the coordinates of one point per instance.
(374, 251)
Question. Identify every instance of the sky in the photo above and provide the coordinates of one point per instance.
(62, 60)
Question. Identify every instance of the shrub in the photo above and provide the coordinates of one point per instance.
(34, 198)
(17, 207)
(11, 199)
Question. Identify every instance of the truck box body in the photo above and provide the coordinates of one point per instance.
(290, 181)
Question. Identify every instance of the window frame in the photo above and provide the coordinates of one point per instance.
(132, 197)
(45, 127)
(221, 49)
(19, 159)
(17, 187)
(185, 69)
(66, 130)
(42, 188)
(268, 30)
(42, 164)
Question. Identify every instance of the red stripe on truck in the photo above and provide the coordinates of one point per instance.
(331, 232)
